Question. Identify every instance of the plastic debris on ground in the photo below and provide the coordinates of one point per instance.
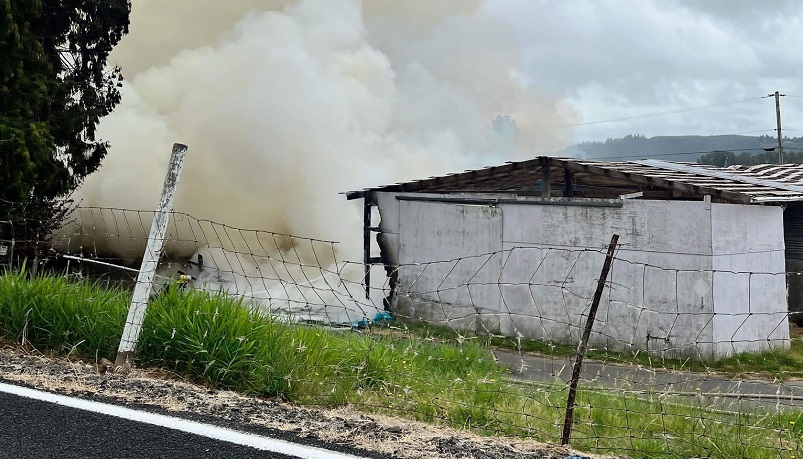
(382, 317)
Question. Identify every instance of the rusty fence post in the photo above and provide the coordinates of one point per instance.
(150, 261)
(568, 422)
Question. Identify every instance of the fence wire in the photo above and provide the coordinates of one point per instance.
(683, 362)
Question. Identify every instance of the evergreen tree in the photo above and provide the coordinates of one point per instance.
(55, 87)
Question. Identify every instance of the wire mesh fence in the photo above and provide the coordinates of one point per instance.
(683, 358)
(681, 362)
(300, 278)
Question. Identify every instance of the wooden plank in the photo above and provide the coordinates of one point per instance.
(150, 259)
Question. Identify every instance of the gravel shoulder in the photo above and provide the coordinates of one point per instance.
(342, 428)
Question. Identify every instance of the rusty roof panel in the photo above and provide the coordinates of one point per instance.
(765, 183)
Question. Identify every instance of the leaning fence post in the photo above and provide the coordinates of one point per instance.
(583, 346)
(150, 260)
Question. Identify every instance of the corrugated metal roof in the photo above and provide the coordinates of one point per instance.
(766, 183)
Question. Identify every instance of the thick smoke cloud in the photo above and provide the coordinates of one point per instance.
(285, 104)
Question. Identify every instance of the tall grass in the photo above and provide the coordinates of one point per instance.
(217, 340)
(55, 314)
(221, 341)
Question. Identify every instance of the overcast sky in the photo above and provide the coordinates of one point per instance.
(614, 59)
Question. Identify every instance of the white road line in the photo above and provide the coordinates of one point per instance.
(183, 425)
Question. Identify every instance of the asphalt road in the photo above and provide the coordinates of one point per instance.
(31, 428)
(709, 389)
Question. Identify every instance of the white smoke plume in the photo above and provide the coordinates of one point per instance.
(286, 104)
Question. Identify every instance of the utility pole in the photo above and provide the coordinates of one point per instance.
(778, 96)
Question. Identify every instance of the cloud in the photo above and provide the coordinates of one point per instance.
(614, 59)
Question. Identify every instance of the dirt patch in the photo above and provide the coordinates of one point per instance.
(393, 437)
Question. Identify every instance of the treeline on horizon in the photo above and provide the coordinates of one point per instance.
(745, 158)
(715, 150)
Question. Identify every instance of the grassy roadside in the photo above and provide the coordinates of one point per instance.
(777, 364)
(219, 342)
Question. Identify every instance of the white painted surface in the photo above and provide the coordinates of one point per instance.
(751, 309)
(665, 295)
(650, 305)
(656, 226)
(450, 264)
(182, 425)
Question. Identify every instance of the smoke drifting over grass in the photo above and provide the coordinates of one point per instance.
(285, 104)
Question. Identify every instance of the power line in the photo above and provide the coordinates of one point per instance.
(655, 114)
(744, 132)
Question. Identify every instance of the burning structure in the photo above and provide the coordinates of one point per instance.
(514, 250)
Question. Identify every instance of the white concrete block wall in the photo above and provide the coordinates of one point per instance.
(664, 296)
(644, 301)
(751, 309)
(658, 301)
(544, 291)
(450, 263)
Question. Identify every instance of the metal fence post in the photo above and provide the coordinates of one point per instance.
(150, 259)
(583, 346)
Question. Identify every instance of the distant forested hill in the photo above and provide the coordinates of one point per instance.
(720, 150)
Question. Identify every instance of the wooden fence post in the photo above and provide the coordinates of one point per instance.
(150, 260)
(583, 346)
